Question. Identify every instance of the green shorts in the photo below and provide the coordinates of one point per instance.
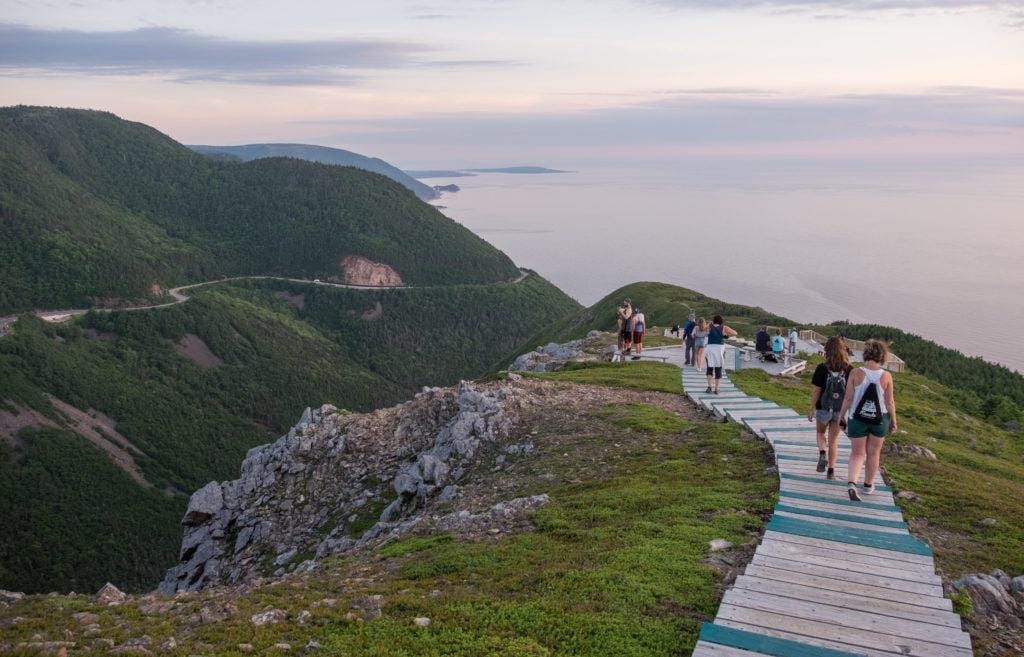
(857, 429)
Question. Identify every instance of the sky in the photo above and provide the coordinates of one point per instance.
(552, 82)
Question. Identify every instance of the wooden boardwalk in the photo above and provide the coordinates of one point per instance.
(831, 577)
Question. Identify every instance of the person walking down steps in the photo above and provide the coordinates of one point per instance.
(871, 405)
(827, 396)
(714, 352)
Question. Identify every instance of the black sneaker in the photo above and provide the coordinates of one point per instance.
(708, 391)
(854, 495)
(716, 392)
(635, 358)
(831, 474)
(822, 462)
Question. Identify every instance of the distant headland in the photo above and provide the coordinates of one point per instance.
(462, 173)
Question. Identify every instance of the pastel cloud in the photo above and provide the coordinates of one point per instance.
(960, 117)
(189, 56)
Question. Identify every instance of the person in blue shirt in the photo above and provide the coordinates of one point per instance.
(778, 344)
(688, 336)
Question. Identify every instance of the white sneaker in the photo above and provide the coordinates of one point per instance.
(869, 489)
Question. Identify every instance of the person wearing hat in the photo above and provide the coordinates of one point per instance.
(688, 336)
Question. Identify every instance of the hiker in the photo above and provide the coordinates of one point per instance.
(714, 353)
(639, 326)
(623, 315)
(793, 337)
(688, 336)
(762, 341)
(778, 345)
(674, 330)
(700, 341)
(829, 381)
(871, 406)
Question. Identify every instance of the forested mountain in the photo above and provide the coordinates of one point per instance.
(96, 209)
(108, 422)
(324, 155)
(174, 397)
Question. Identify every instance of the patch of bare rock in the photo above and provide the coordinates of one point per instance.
(997, 616)
(338, 483)
(357, 270)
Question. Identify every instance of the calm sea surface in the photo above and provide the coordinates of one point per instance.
(935, 250)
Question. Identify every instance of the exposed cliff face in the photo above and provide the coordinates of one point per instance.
(357, 270)
(313, 492)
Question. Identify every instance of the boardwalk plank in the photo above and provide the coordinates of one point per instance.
(847, 617)
(894, 578)
(840, 637)
(886, 606)
(850, 548)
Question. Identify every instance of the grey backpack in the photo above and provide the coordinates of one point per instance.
(835, 390)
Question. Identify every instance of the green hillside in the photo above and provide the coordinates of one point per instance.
(984, 389)
(189, 422)
(664, 305)
(94, 208)
(324, 155)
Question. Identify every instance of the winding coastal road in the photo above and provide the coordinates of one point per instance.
(179, 296)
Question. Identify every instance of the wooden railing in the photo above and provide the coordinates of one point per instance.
(893, 363)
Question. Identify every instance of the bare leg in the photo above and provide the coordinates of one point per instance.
(833, 444)
(857, 453)
(874, 455)
(820, 436)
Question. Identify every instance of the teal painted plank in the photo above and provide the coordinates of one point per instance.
(865, 537)
(838, 501)
(788, 457)
(766, 645)
(867, 520)
(801, 428)
(822, 480)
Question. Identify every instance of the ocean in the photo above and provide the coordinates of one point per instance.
(933, 248)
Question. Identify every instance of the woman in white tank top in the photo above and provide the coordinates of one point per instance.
(868, 415)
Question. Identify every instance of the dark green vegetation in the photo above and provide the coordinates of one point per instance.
(618, 565)
(664, 305)
(978, 473)
(96, 208)
(324, 155)
(190, 424)
(986, 389)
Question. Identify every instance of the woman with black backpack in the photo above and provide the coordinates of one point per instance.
(872, 408)
(827, 397)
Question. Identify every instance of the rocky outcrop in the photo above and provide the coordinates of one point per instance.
(997, 612)
(311, 493)
(357, 270)
(552, 356)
